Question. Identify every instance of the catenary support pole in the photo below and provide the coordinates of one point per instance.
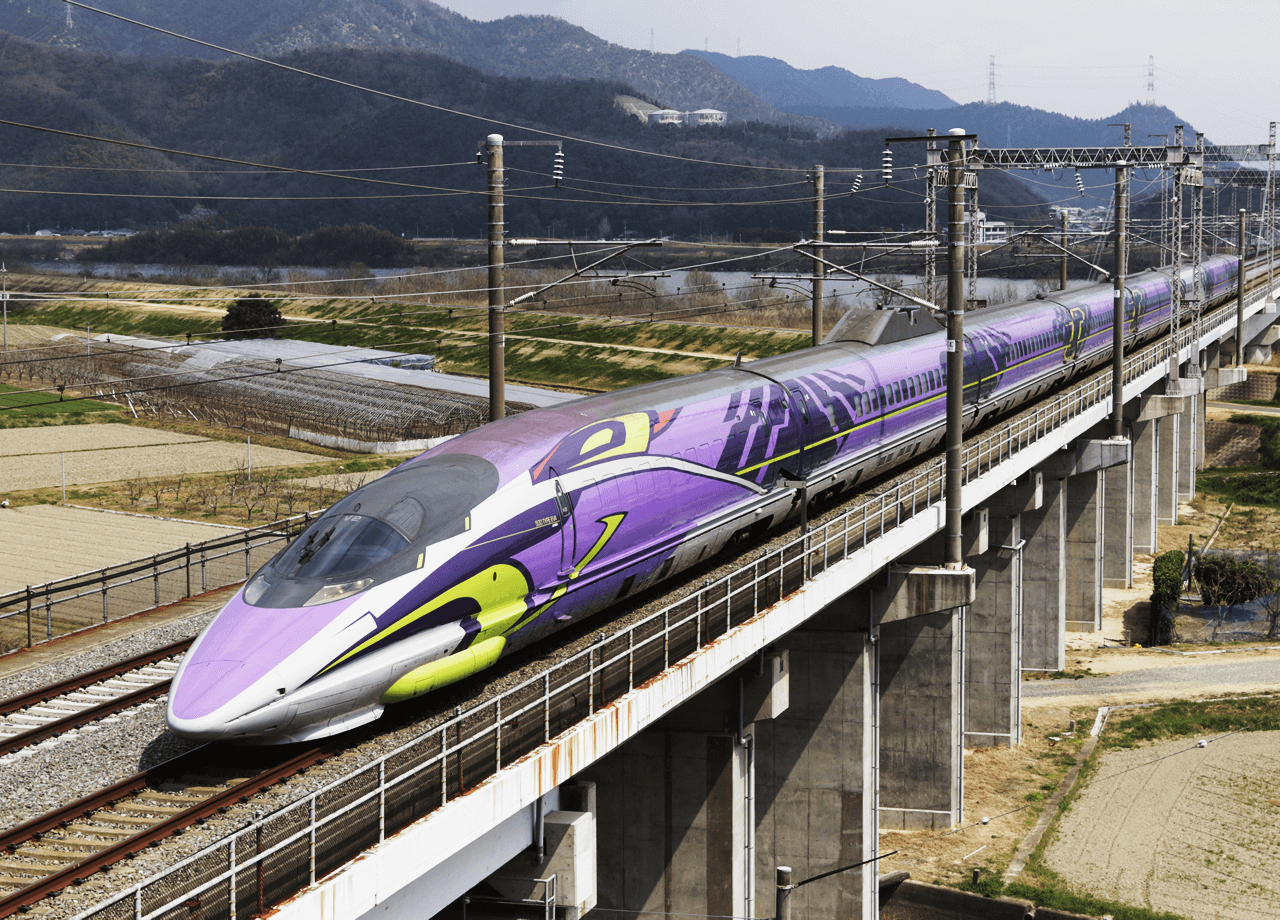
(1240, 293)
(1062, 280)
(497, 300)
(955, 344)
(819, 268)
(1117, 296)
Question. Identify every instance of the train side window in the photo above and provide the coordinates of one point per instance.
(880, 399)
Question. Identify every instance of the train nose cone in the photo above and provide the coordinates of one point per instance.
(205, 686)
(241, 661)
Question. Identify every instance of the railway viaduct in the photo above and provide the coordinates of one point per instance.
(781, 714)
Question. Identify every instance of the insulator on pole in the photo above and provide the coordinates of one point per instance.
(557, 168)
(886, 165)
(857, 183)
(1079, 184)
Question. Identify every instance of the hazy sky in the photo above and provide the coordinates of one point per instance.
(1214, 61)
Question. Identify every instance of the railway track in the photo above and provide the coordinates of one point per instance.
(49, 711)
(79, 839)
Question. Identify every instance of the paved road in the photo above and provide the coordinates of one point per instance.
(1199, 676)
(1243, 409)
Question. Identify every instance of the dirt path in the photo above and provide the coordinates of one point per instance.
(1179, 828)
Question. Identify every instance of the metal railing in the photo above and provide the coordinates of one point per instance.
(41, 612)
(274, 857)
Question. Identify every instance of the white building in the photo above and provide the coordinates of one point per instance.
(666, 117)
(706, 117)
(988, 232)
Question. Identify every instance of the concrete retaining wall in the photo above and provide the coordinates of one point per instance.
(1231, 444)
(1259, 386)
(917, 901)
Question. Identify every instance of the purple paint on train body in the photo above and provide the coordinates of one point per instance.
(548, 516)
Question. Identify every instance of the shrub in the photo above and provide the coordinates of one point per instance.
(252, 317)
(1166, 576)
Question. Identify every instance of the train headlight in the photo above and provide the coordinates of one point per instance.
(331, 593)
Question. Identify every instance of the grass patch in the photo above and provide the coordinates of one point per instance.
(1252, 485)
(24, 409)
(1059, 897)
(1194, 718)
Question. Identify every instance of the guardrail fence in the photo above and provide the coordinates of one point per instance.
(39, 613)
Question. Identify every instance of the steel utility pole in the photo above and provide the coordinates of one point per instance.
(1062, 281)
(956, 160)
(1240, 294)
(497, 300)
(1117, 307)
(954, 558)
(819, 267)
(4, 299)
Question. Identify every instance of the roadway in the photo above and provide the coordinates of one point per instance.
(1153, 675)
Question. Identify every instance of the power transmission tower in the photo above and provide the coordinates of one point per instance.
(991, 81)
(1151, 79)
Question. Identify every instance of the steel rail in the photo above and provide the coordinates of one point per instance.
(53, 691)
(15, 743)
(195, 759)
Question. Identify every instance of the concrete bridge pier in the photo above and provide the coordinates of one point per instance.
(1258, 349)
(1144, 435)
(815, 778)
(919, 611)
(773, 765)
(1118, 504)
(1080, 467)
(992, 640)
(1167, 460)
(996, 623)
(1044, 577)
(1218, 371)
(1191, 424)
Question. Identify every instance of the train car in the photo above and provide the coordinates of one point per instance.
(503, 535)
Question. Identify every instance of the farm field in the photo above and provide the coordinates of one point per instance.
(47, 542)
(1179, 828)
(152, 454)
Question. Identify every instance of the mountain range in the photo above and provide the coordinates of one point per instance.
(105, 75)
(786, 87)
(752, 88)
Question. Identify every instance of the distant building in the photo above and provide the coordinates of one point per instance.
(652, 115)
(666, 117)
(988, 232)
(705, 117)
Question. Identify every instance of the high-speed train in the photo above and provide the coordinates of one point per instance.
(504, 534)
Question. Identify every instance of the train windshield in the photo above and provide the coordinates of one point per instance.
(366, 536)
(350, 542)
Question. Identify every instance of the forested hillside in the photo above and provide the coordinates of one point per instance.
(248, 111)
(542, 47)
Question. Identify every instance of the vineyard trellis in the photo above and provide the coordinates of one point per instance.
(250, 394)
